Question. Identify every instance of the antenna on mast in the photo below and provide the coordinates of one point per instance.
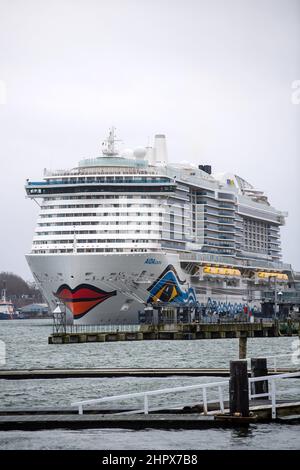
(3, 292)
(108, 146)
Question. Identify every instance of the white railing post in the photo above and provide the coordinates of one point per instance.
(221, 399)
(80, 409)
(275, 364)
(269, 391)
(204, 401)
(273, 398)
(146, 404)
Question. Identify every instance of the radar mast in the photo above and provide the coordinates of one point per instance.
(108, 146)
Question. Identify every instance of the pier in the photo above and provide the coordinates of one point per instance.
(33, 422)
(239, 402)
(31, 374)
(173, 331)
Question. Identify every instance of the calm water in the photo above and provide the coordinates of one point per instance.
(264, 436)
(26, 347)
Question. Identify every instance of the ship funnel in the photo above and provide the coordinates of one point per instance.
(160, 148)
(150, 156)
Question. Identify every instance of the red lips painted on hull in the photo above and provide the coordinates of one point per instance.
(82, 299)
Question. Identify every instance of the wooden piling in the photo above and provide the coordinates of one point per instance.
(91, 338)
(242, 347)
(101, 337)
(121, 337)
(238, 389)
(259, 369)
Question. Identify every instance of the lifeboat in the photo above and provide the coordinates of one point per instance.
(279, 276)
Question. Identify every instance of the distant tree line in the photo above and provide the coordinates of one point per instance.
(20, 292)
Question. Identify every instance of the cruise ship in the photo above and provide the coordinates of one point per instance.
(129, 230)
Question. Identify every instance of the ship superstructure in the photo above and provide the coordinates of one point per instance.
(128, 229)
(6, 306)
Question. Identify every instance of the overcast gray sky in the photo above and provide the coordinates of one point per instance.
(214, 75)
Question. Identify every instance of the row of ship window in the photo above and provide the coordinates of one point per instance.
(108, 196)
(256, 239)
(84, 206)
(223, 244)
(218, 252)
(109, 240)
(206, 249)
(104, 214)
(91, 232)
(108, 179)
(99, 188)
(113, 222)
(256, 232)
(256, 245)
(95, 250)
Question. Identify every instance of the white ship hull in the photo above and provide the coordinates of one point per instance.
(102, 289)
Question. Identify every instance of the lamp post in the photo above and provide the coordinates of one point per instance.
(248, 301)
(279, 296)
(275, 296)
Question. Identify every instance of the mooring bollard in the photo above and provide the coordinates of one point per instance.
(259, 369)
(239, 389)
(276, 327)
(242, 347)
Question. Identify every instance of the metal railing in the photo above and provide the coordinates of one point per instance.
(229, 260)
(236, 319)
(130, 328)
(271, 394)
(295, 355)
(292, 297)
(82, 171)
(163, 320)
(163, 391)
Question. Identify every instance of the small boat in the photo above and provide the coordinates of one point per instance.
(6, 306)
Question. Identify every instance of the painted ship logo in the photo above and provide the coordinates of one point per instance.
(82, 299)
(152, 261)
(168, 287)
